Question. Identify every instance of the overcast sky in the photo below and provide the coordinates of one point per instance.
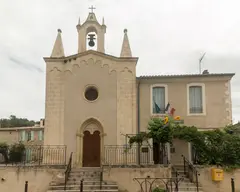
(168, 36)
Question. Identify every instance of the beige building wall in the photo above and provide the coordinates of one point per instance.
(216, 99)
(67, 113)
(13, 135)
(9, 136)
(217, 110)
(67, 110)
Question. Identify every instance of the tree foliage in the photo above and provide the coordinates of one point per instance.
(13, 121)
(216, 147)
(12, 153)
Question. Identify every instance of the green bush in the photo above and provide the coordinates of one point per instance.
(216, 147)
(16, 153)
(4, 151)
(157, 189)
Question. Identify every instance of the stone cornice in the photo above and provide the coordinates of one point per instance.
(186, 78)
(74, 57)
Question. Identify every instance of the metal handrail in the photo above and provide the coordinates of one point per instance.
(176, 174)
(101, 178)
(81, 185)
(68, 170)
(188, 164)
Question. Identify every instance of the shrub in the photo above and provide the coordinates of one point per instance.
(16, 153)
(216, 147)
(4, 151)
(157, 189)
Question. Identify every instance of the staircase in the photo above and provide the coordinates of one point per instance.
(91, 182)
(185, 185)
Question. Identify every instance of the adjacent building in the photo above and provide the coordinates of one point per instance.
(27, 135)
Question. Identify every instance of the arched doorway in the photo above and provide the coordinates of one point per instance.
(91, 149)
(90, 144)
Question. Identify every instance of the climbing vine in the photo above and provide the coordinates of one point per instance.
(159, 129)
(216, 147)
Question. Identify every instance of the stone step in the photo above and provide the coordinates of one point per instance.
(187, 185)
(77, 190)
(189, 188)
(178, 170)
(85, 187)
(190, 191)
(86, 182)
(91, 182)
(84, 176)
(87, 169)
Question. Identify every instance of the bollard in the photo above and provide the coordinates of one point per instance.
(233, 185)
(81, 186)
(26, 186)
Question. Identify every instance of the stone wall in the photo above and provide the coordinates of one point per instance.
(208, 185)
(12, 179)
(125, 176)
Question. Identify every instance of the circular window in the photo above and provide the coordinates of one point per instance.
(91, 94)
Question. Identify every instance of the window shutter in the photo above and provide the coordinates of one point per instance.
(23, 136)
(40, 136)
(32, 135)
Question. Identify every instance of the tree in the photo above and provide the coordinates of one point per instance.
(160, 131)
(13, 121)
(233, 129)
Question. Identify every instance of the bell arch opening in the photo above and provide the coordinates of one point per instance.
(91, 38)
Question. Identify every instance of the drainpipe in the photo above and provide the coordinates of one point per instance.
(138, 107)
(138, 119)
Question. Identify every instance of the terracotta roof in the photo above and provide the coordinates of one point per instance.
(186, 75)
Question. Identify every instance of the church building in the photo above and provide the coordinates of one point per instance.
(93, 99)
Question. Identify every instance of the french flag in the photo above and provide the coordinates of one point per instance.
(169, 110)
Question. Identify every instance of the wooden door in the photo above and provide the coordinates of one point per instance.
(91, 149)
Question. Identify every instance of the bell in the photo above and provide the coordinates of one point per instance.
(91, 39)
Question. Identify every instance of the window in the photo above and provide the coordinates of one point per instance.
(22, 137)
(158, 99)
(91, 93)
(28, 136)
(40, 135)
(196, 100)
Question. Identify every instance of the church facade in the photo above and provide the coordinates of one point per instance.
(94, 100)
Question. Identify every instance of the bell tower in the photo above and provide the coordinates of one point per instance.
(91, 34)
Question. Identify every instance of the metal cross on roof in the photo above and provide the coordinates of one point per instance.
(92, 8)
